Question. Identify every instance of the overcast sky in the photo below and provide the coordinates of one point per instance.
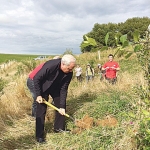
(52, 26)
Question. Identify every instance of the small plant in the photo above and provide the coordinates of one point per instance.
(29, 65)
(20, 70)
(143, 138)
(2, 84)
(26, 67)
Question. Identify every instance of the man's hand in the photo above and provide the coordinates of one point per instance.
(62, 111)
(39, 99)
(113, 68)
(106, 68)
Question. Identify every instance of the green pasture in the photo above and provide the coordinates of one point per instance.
(6, 57)
(18, 57)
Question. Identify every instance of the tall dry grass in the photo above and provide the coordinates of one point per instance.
(15, 103)
(125, 82)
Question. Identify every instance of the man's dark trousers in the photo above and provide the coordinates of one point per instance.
(40, 110)
(59, 122)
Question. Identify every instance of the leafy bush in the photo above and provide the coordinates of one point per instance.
(143, 138)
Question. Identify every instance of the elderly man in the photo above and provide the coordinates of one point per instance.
(51, 78)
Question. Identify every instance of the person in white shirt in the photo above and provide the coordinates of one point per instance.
(78, 71)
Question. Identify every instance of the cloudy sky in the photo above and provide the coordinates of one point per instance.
(54, 26)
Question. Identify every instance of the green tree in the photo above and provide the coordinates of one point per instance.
(68, 51)
(99, 32)
(87, 44)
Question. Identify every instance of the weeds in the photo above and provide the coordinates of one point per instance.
(25, 67)
(2, 84)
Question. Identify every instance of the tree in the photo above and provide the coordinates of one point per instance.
(131, 25)
(87, 44)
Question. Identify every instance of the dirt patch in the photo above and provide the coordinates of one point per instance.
(85, 123)
(107, 121)
(88, 122)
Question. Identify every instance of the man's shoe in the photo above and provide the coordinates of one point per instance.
(62, 131)
(40, 140)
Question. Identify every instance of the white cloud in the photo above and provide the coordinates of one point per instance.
(51, 27)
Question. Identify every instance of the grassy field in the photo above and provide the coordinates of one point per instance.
(7, 57)
(18, 57)
(107, 116)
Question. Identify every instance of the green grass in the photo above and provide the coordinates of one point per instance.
(97, 106)
(116, 104)
(18, 57)
(132, 65)
(97, 138)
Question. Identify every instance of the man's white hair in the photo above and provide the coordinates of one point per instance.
(67, 59)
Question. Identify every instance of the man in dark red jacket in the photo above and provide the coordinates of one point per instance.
(51, 78)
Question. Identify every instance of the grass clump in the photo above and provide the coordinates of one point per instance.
(2, 84)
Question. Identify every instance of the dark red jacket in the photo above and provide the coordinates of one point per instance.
(47, 74)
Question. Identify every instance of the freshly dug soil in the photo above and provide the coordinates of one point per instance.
(88, 122)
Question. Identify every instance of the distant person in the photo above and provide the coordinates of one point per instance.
(101, 72)
(78, 71)
(89, 73)
(51, 78)
(111, 67)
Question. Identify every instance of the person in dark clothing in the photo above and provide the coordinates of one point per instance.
(51, 78)
(101, 72)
